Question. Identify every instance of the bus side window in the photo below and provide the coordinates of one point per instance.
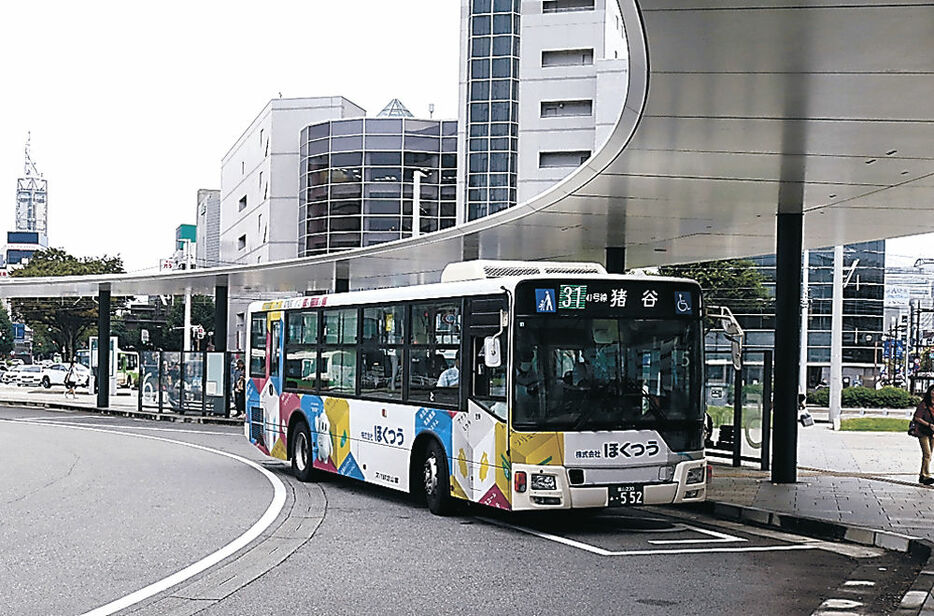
(258, 345)
(274, 348)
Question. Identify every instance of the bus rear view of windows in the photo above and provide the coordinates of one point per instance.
(519, 386)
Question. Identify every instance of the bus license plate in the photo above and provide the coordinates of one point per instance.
(626, 495)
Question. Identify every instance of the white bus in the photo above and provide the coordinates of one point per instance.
(522, 386)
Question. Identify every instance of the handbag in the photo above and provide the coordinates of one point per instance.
(806, 419)
(916, 429)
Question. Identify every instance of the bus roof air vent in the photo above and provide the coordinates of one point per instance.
(480, 270)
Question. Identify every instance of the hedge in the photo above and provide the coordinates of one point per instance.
(867, 397)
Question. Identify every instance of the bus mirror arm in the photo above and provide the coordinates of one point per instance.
(492, 352)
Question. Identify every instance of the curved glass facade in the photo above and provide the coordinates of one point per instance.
(357, 180)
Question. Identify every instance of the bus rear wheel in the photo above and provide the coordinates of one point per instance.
(301, 453)
(436, 483)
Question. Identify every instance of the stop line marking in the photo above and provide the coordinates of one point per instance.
(719, 538)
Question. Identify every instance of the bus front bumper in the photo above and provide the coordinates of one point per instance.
(616, 494)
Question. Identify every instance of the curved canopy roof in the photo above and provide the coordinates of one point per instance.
(735, 110)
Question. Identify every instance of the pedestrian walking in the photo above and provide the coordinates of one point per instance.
(239, 379)
(71, 381)
(924, 430)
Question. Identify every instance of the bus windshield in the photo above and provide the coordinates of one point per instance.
(606, 374)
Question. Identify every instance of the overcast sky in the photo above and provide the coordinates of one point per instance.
(132, 105)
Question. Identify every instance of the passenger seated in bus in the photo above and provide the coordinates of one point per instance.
(451, 376)
(528, 384)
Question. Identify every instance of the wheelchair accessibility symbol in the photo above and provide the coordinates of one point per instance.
(683, 303)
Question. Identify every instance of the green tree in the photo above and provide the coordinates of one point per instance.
(734, 283)
(202, 313)
(64, 319)
(6, 332)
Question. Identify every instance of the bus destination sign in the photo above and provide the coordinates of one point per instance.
(633, 298)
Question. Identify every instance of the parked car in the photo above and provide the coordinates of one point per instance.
(11, 376)
(29, 376)
(55, 375)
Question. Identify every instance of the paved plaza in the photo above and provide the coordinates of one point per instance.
(859, 478)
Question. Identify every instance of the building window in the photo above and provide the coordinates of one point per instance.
(260, 183)
(261, 137)
(242, 204)
(562, 159)
(564, 6)
(567, 57)
(565, 109)
(242, 167)
(241, 242)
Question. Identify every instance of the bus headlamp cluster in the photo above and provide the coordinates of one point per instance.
(544, 482)
(695, 475)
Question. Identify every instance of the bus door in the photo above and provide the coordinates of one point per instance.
(265, 383)
(272, 389)
(480, 434)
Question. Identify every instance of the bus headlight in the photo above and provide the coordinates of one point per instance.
(695, 475)
(544, 482)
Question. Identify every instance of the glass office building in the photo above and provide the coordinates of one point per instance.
(863, 312)
(493, 106)
(358, 177)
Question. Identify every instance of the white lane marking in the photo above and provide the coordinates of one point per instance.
(56, 421)
(61, 418)
(717, 537)
(859, 583)
(272, 512)
(839, 604)
(603, 552)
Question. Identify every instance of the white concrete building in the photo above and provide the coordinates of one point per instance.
(259, 179)
(542, 83)
(208, 222)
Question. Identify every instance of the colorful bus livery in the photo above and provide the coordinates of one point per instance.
(553, 386)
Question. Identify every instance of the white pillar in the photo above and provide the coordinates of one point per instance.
(186, 336)
(416, 203)
(803, 363)
(836, 339)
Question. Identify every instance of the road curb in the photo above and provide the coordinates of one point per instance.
(918, 601)
(131, 413)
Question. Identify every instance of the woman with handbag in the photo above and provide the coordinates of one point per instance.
(924, 429)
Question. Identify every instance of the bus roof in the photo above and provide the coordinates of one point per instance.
(438, 290)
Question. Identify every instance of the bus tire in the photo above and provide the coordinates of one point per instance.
(436, 480)
(302, 464)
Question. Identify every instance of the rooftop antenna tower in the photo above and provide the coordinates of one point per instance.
(32, 192)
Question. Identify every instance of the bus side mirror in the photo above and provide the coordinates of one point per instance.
(492, 358)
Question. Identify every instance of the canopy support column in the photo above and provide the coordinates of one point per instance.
(787, 346)
(341, 276)
(616, 259)
(102, 378)
(220, 314)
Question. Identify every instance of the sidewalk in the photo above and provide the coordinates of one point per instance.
(866, 479)
(124, 403)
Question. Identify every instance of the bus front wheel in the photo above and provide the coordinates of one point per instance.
(436, 480)
(301, 453)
